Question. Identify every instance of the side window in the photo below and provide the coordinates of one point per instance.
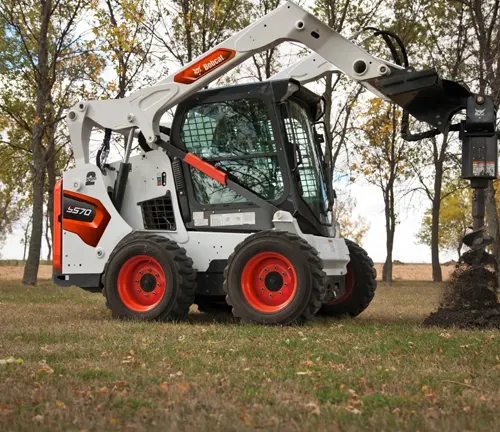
(237, 136)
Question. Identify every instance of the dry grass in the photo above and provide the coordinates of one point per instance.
(82, 370)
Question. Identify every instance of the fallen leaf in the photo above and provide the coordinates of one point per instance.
(183, 387)
(165, 386)
(353, 410)
(6, 409)
(308, 363)
(315, 409)
(342, 386)
(45, 368)
(467, 409)
(445, 335)
(38, 418)
(308, 372)
(60, 404)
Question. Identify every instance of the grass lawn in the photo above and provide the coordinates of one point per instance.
(80, 370)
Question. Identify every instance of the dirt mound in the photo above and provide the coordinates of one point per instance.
(469, 300)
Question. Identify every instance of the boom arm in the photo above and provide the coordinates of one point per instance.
(144, 107)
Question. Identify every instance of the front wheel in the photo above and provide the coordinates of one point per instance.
(275, 277)
(360, 285)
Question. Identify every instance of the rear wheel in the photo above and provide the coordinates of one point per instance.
(149, 277)
(275, 277)
(360, 285)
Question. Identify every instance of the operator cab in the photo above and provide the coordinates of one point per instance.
(262, 135)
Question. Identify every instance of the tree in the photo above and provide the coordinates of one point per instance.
(185, 29)
(350, 228)
(455, 219)
(437, 35)
(124, 40)
(384, 161)
(37, 39)
(342, 16)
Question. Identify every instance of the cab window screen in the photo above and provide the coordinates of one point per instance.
(237, 136)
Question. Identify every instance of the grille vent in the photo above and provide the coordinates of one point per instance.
(158, 213)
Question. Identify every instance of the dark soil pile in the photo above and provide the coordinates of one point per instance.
(469, 300)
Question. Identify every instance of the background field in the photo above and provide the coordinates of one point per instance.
(406, 272)
(74, 368)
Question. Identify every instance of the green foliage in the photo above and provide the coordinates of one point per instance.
(454, 220)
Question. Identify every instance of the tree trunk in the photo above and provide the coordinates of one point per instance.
(33, 261)
(38, 162)
(389, 230)
(51, 182)
(437, 275)
(493, 230)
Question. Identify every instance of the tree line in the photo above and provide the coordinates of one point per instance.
(55, 53)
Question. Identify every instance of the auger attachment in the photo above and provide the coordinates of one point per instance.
(479, 165)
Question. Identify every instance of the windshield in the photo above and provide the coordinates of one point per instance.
(312, 186)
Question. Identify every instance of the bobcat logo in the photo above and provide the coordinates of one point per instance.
(479, 113)
(197, 70)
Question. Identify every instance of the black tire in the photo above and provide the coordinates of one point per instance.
(363, 289)
(166, 255)
(212, 305)
(309, 289)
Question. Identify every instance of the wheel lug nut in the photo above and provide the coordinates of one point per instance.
(275, 268)
(286, 284)
(280, 293)
(157, 284)
(266, 270)
(136, 281)
(140, 272)
(261, 278)
(149, 270)
(270, 295)
(145, 295)
(154, 292)
(262, 288)
(138, 290)
(284, 274)
(156, 274)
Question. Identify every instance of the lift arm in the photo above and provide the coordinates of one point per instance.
(421, 93)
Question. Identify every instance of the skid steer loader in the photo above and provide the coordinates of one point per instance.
(230, 207)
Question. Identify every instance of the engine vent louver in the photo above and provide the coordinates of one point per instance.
(158, 213)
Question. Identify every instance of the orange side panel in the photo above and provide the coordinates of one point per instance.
(204, 66)
(206, 168)
(89, 232)
(57, 247)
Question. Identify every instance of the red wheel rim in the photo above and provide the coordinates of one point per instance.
(349, 286)
(268, 282)
(141, 283)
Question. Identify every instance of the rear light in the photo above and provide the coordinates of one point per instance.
(57, 249)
